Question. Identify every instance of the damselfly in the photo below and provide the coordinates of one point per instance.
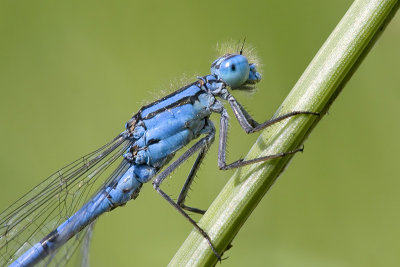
(47, 224)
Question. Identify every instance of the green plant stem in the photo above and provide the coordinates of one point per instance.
(316, 89)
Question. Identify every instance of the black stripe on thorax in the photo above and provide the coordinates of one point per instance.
(183, 101)
(168, 96)
(138, 115)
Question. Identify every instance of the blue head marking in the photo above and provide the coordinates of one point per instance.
(235, 70)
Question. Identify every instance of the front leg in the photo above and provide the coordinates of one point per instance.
(223, 133)
(250, 125)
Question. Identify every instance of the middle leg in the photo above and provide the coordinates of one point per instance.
(223, 133)
(200, 145)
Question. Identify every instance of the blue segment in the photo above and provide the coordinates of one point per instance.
(139, 132)
(155, 154)
(183, 117)
(31, 257)
(152, 138)
(254, 76)
(144, 172)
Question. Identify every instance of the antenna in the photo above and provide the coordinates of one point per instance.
(241, 50)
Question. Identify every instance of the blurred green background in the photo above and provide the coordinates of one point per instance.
(72, 73)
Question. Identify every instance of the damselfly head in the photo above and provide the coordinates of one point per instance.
(236, 71)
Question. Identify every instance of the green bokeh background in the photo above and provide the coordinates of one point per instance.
(72, 73)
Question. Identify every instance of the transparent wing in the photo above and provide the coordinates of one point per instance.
(81, 241)
(42, 209)
(85, 245)
(68, 253)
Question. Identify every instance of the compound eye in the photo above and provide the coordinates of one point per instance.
(234, 70)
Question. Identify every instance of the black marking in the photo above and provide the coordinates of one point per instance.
(52, 237)
(135, 194)
(193, 98)
(141, 123)
(138, 115)
(183, 101)
(241, 50)
(112, 207)
(130, 125)
(227, 56)
(214, 63)
(134, 149)
(152, 141)
(168, 96)
(125, 191)
(109, 197)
